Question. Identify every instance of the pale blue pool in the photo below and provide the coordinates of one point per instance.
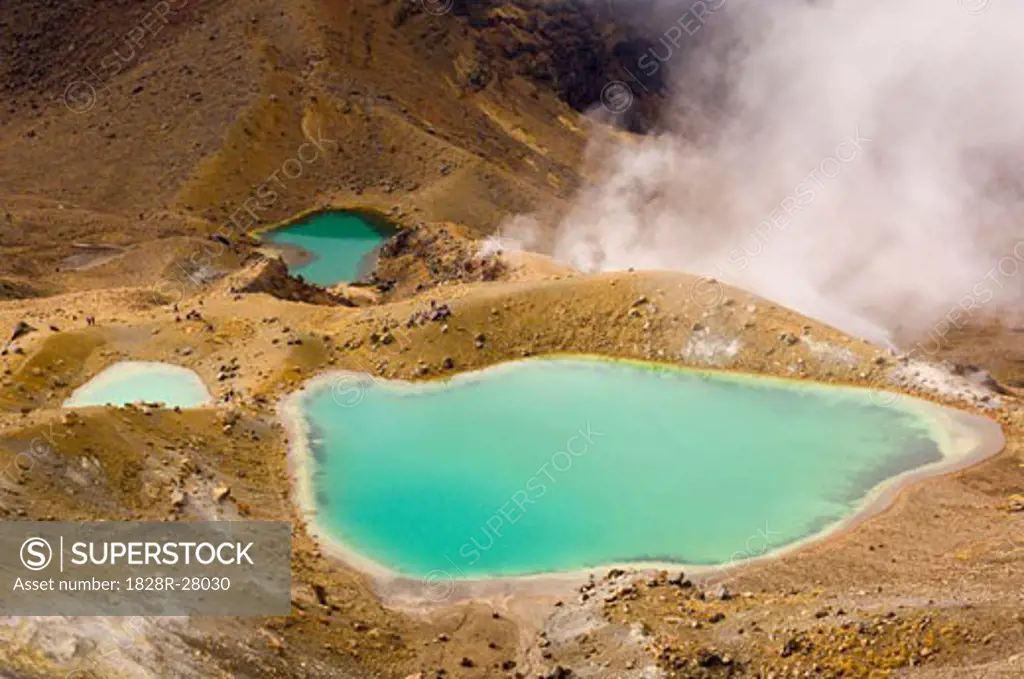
(132, 381)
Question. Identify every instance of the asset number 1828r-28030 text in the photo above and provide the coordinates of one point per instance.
(180, 584)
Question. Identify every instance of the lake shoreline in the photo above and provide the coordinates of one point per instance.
(964, 440)
(376, 219)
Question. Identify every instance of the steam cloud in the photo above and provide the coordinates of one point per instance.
(859, 162)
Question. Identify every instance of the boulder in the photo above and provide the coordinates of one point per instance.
(20, 330)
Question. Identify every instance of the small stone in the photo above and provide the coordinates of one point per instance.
(721, 592)
(222, 493)
(711, 658)
(679, 580)
(21, 329)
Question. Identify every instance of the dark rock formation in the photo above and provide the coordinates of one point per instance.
(271, 276)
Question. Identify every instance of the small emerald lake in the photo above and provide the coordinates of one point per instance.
(134, 381)
(551, 465)
(330, 247)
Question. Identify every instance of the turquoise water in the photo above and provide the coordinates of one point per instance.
(338, 241)
(561, 464)
(131, 381)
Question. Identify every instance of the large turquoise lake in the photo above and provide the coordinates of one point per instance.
(562, 464)
(330, 247)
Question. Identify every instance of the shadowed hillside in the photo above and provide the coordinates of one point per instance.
(131, 121)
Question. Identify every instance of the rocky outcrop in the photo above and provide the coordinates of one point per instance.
(270, 275)
(428, 255)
